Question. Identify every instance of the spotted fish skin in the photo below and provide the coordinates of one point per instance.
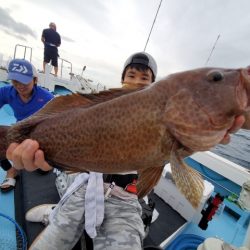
(141, 129)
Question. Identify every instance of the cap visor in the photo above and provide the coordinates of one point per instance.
(20, 78)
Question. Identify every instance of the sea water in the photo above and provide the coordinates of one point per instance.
(238, 150)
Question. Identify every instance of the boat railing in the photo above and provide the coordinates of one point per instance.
(89, 84)
(25, 50)
(74, 83)
(63, 61)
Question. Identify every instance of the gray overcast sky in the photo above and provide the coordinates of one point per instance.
(102, 34)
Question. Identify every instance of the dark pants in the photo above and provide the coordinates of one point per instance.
(51, 54)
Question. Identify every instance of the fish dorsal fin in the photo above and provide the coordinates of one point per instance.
(110, 94)
(67, 102)
(187, 179)
(148, 178)
(63, 103)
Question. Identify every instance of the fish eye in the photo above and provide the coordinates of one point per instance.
(215, 76)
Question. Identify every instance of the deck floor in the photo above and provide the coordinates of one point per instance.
(34, 189)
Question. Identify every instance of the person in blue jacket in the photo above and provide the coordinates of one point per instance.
(24, 97)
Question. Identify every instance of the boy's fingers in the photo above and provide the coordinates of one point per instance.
(10, 150)
(40, 161)
(22, 155)
(238, 123)
(14, 153)
(30, 147)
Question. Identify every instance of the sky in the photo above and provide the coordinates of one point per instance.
(102, 34)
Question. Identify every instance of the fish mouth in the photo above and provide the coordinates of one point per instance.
(242, 97)
(242, 101)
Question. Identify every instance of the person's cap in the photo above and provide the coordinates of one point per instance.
(142, 58)
(21, 70)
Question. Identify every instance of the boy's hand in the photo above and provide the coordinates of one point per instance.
(27, 155)
(238, 123)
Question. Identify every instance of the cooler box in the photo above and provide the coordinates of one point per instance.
(167, 191)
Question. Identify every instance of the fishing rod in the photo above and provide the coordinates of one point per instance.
(212, 50)
(152, 26)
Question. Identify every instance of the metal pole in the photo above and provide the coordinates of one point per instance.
(212, 50)
(152, 26)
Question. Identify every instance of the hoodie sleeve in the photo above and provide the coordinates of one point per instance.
(4, 93)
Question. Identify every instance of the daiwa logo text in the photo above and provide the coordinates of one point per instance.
(19, 68)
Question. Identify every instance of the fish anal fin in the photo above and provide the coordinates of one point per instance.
(148, 178)
(188, 180)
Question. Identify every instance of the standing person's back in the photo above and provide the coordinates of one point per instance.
(51, 40)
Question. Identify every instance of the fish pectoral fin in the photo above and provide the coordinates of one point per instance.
(188, 180)
(148, 178)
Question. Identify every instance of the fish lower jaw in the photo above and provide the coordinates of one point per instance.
(202, 142)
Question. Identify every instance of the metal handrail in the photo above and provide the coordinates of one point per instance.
(25, 48)
(64, 60)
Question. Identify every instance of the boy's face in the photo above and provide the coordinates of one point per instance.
(134, 76)
(23, 89)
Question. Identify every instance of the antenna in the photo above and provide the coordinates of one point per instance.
(212, 50)
(152, 26)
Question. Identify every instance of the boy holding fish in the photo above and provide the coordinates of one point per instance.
(122, 226)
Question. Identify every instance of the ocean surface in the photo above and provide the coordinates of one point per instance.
(238, 150)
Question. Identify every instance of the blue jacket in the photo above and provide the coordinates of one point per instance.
(9, 95)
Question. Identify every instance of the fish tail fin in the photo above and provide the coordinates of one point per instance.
(148, 178)
(188, 180)
(3, 141)
(22, 129)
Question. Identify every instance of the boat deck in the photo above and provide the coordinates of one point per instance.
(34, 189)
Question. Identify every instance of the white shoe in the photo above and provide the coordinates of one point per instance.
(40, 213)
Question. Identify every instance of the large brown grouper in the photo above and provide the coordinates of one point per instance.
(140, 129)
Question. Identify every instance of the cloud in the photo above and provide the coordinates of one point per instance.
(95, 13)
(67, 39)
(19, 29)
(15, 35)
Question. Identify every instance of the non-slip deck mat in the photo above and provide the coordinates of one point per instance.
(7, 229)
